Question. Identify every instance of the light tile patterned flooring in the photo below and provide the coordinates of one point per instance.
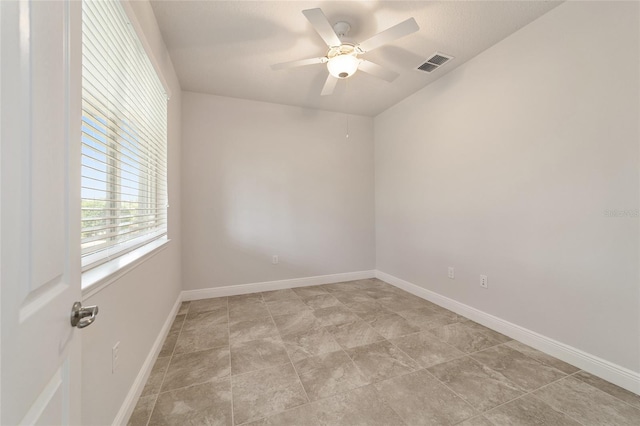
(361, 353)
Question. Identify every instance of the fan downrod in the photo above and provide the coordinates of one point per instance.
(341, 28)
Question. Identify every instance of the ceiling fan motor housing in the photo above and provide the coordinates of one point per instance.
(343, 61)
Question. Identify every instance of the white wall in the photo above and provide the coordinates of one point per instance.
(506, 167)
(134, 308)
(261, 179)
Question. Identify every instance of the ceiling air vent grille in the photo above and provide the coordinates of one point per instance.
(427, 67)
(438, 59)
(434, 62)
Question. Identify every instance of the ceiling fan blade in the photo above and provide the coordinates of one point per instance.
(329, 85)
(390, 34)
(322, 26)
(378, 71)
(299, 63)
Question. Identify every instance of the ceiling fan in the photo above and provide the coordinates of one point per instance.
(342, 58)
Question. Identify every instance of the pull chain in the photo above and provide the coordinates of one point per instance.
(346, 91)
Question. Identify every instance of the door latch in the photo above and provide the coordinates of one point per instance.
(82, 317)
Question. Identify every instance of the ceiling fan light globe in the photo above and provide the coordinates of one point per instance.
(343, 66)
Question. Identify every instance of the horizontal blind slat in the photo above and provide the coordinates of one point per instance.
(122, 177)
(109, 252)
(100, 232)
(90, 111)
(124, 136)
(88, 150)
(117, 204)
(157, 214)
(119, 233)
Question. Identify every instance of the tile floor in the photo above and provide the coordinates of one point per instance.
(361, 353)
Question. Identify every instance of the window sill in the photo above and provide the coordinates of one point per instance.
(97, 278)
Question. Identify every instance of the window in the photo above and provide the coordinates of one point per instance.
(124, 138)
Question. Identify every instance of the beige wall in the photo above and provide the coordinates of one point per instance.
(134, 308)
(507, 166)
(262, 179)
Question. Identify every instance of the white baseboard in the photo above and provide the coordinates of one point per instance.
(233, 290)
(609, 371)
(129, 403)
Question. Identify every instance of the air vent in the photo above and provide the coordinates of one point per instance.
(438, 59)
(434, 62)
(427, 67)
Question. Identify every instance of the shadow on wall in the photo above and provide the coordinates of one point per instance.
(262, 217)
(265, 179)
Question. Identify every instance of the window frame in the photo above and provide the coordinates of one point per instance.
(98, 266)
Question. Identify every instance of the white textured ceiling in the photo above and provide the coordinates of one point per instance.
(226, 47)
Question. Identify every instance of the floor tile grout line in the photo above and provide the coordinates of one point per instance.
(153, 408)
(438, 380)
(468, 355)
(491, 347)
(309, 401)
(291, 361)
(484, 332)
(199, 349)
(213, 379)
(173, 352)
(373, 383)
(398, 348)
(525, 355)
(619, 399)
(342, 349)
(279, 412)
(239, 340)
(541, 362)
(439, 340)
(294, 369)
(230, 368)
(473, 417)
(531, 393)
(590, 385)
(236, 376)
(383, 339)
(391, 408)
(184, 353)
(357, 387)
(480, 411)
(273, 414)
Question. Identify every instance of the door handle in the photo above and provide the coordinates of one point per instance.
(82, 317)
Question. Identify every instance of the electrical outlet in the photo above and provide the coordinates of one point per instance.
(115, 354)
(484, 283)
(452, 272)
(274, 259)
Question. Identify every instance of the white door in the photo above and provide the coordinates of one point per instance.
(39, 128)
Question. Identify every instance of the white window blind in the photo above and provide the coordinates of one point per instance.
(124, 138)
